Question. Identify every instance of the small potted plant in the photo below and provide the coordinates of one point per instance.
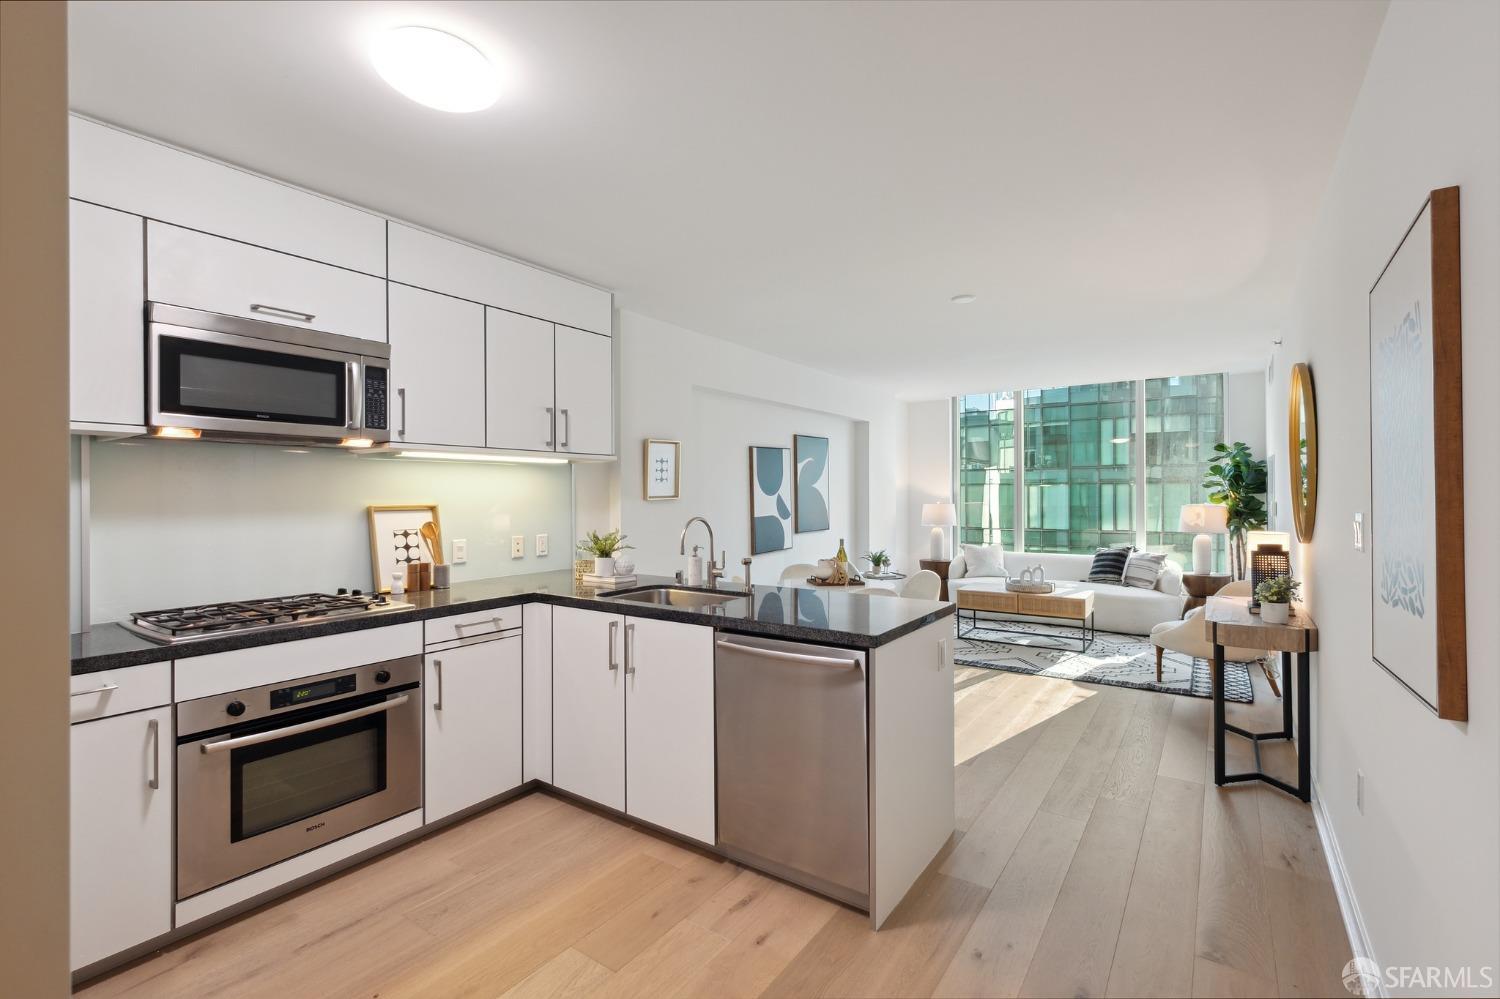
(879, 561)
(1276, 595)
(603, 547)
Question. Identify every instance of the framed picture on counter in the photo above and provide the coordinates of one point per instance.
(661, 469)
(396, 539)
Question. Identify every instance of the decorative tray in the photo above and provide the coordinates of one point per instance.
(1018, 587)
(820, 582)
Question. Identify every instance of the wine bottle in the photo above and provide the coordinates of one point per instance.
(842, 556)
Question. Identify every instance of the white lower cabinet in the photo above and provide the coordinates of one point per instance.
(473, 738)
(121, 821)
(669, 726)
(588, 715)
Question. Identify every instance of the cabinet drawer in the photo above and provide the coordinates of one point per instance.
(472, 625)
(205, 272)
(117, 691)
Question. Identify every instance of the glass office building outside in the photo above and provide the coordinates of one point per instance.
(1085, 480)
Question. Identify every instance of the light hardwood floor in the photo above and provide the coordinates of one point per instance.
(1093, 857)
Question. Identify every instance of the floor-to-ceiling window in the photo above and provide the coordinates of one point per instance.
(1103, 464)
(987, 469)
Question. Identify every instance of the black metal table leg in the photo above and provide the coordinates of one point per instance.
(1217, 682)
(1304, 726)
(1301, 691)
(1286, 694)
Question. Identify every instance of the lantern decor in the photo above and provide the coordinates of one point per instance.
(1269, 558)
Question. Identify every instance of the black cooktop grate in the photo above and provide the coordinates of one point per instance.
(239, 614)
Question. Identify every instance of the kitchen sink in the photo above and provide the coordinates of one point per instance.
(672, 596)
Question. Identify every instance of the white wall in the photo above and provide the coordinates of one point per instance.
(1245, 411)
(1423, 858)
(186, 522)
(930, 449)
(719, 398)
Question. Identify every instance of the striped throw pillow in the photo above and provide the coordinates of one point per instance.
(1109, 565)
(1143, 569)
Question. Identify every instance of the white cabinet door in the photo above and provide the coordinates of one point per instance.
(198, 271)
(588, 716)
(669, 725)
(585, 392)
(537, 685)
(473, 739)
(437, 369)
(121, 822)
(518, 382)
(106, 317)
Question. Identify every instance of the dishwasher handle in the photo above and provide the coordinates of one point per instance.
(832, 662)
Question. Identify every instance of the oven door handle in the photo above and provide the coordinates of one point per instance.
(310, 726)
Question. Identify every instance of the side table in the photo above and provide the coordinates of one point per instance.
(1202, 586)
(939, 566)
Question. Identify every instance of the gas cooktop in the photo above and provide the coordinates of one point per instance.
(186, 624)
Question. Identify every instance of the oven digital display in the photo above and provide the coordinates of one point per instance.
(288, 696)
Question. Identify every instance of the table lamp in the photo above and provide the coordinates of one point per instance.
(1270, 556)
(939, 517)
(1202, 520)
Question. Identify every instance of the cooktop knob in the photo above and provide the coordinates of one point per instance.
(357, 593)
(383, 676)
(236, 708)
(344, 590)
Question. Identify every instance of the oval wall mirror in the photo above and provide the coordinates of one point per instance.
(1302, 446)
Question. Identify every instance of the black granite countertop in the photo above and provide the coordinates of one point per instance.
(825, 616)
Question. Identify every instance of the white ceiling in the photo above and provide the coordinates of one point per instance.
(1125, 186)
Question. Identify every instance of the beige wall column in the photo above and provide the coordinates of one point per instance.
(34, 409)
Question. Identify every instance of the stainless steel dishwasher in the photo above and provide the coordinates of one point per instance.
(793, 785)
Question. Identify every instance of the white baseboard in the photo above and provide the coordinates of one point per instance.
(1354, 922)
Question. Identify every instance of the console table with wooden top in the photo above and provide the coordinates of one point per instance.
(1299, 638)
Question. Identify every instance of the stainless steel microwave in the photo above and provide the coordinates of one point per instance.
(212, 375)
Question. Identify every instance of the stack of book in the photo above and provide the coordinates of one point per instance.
(599, 582)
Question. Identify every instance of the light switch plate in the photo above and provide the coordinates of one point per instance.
(1359, 532)
(460, 551)
(541, 545)
(518, 546)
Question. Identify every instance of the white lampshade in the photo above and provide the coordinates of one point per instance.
(1254, 539)
(1204, 518)
(938, 515)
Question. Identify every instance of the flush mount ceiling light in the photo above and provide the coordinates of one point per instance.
(435, 68)
(964, 299)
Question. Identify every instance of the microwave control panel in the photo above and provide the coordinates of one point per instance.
(375, 392)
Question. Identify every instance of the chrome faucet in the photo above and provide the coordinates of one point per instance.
(714, 571)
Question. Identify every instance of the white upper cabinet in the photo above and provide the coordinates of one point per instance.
(133, 174)
(106, 316)
(198, 271)
(518, 382)
(669, 726)
(121, 821)
(437, 369)
(433, 262)
(585, 392)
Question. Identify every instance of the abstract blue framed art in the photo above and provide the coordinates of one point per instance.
(810, 457)
(770, 499)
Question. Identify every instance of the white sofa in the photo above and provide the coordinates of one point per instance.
(1125, 610)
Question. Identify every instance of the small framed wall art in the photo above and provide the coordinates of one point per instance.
(661, 469)
(396, 539)
(770, 499)
(810, 457)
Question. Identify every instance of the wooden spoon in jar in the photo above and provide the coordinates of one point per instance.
(429, 533)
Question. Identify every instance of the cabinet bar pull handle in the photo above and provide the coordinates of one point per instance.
(95, 690)
(613, 631)
(401, 394)
(551, 426)
(630, 650)
(437, 670)
(154, 727)
(272, 310)
(567, 424)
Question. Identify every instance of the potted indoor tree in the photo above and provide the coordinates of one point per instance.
(603, 547)
(1237, 479)
(1276, 595)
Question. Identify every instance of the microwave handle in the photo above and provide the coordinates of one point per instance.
(311, 726)
(354, 411)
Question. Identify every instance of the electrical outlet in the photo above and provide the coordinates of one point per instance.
(518, 546)
(460, 551)
(541, 545)
(1359, 791)
(1359, 532)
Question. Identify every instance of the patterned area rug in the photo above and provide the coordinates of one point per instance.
(1121, 660)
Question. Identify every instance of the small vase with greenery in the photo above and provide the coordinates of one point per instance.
(879, 561)
(604, 548)
(1237, 479)
(1276, 595)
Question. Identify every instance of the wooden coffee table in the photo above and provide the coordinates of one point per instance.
(1066, 603)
